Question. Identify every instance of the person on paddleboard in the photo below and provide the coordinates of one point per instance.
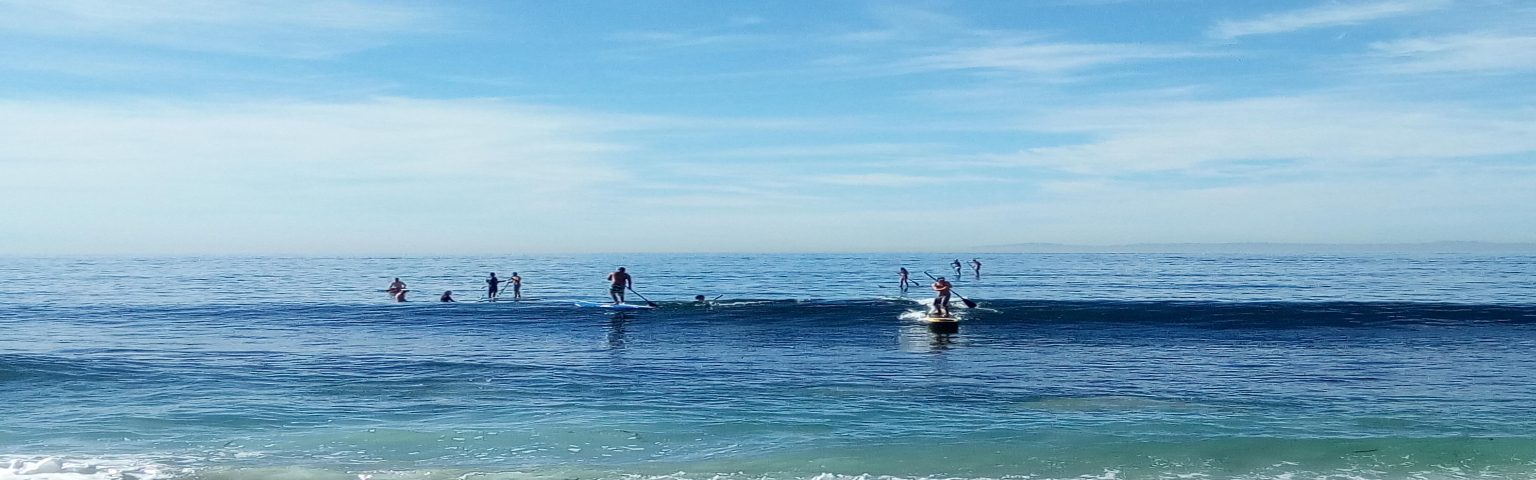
(976, 265)
(492, 285)
(621, 281)
(905, 279)
(396, 286)
(956, 264)
(941, 302)
(517, 286)
(447, 297)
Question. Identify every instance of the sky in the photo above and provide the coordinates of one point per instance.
(507, 126)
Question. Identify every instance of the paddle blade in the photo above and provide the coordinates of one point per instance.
(968, 302)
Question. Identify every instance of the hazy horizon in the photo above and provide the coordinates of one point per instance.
(1449, 246)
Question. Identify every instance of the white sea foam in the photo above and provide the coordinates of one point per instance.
(53, 468)
(98, 468)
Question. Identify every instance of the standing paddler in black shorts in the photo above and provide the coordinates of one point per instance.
(491, 288)
(941, 301)
(620, 281)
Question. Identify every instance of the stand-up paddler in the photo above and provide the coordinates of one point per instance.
(620, 281)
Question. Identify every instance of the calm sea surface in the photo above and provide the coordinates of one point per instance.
(806, 367)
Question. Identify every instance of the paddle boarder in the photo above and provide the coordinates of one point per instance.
(956, 264)
(447, 297)
(976, 265)
(620, 281)
(906, 278)
(491, 284)
(941, 301)
(517, 286)
(396, 286)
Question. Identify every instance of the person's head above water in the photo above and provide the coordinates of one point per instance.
(621, 269)
(698, 298)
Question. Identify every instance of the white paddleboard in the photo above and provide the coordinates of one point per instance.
(615, 306)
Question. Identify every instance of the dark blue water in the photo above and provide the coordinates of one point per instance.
(807, 367)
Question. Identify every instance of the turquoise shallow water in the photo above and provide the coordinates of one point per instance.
(808, 367)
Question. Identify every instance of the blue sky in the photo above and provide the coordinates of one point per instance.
(342, 126)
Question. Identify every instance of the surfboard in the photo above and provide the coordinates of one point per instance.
(615, 306)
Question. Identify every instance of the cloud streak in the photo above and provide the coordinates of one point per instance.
(275, 176)
(1327, 15)
(1044, 57)
(274, 28)
(1188, 136)
(1481, 52)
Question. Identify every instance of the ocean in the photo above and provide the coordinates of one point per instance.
(803, 367)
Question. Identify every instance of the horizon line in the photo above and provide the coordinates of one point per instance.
(1443, 246)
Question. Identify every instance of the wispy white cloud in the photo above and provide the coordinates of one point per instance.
(902, 180)
(661, 39)
(288, 174)
(1045, 57)
(742, 21)
(1326, 15)
(904, 23)
(1484, 52)
(855, 150)
(1193, 135)
(280, 28)
(881, 179)
(1488, 205)
(923, 40)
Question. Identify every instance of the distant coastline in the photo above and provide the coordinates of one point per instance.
(1260, 247)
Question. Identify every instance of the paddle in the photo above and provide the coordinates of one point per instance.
(642, 297)
(968, 302)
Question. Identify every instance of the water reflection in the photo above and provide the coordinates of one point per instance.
(616, 328)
